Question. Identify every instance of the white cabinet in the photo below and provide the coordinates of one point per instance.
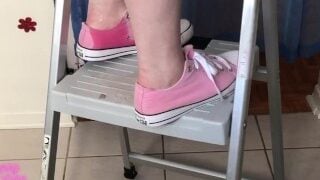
(314, 99)
(25, 63)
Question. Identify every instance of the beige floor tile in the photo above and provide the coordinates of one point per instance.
(301, 163)
(99, 139)
(109, 168)
(30, 169)
(299, 130)
(174, 145)
(255, 164)
(27, 143)
(145, 143)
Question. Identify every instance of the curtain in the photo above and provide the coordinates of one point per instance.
(299, 23)
(79, 9)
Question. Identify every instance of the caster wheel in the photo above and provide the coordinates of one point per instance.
(130, 173)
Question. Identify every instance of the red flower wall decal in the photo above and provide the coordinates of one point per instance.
(27, 24)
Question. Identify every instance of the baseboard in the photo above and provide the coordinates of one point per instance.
(30, 120)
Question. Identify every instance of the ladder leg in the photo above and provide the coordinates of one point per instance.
(272, 56)
(243, 85)
(125, 147)
(51, 133)
(129, 168)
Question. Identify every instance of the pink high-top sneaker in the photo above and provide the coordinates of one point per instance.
(205, 78)
(100, 45)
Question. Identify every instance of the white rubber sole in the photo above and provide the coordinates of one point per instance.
(103, 54)
(173, 115)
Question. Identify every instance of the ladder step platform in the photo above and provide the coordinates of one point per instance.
(103, 91)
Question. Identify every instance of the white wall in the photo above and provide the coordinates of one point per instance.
(25, 63)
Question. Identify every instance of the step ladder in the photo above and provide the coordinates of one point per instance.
(103, 91)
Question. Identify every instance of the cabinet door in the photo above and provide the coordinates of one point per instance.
(25, 57)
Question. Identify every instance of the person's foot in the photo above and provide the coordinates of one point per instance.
(99, 45)
(205, 78)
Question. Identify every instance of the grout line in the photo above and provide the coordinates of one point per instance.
(67, 155)
(264, 145)
(85, 157)
(199, 152)
(106, 156)
(27, 159)
(297, 148)
(162, 144)
(196, 152)
(156, 154)
(163, 156)
(260, 132)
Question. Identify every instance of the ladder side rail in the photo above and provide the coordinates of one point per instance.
(248, 35)
(58, 57)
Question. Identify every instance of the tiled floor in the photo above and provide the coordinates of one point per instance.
(92, 151)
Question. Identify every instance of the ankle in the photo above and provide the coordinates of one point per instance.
(105, 19)
(162, 77)
(152, 81)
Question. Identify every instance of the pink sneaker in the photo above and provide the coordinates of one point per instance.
(100, 45)
(205, 78)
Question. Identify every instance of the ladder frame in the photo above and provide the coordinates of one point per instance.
(270, 74)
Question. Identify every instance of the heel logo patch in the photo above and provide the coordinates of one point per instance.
(141, 120)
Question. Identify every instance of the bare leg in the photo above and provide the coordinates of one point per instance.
(156, 27)
(104, 14)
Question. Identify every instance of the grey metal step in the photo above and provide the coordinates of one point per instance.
(103, 91)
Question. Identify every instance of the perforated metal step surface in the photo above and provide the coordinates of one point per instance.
(103, 91)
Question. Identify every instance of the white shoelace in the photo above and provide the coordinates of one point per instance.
(211, 69)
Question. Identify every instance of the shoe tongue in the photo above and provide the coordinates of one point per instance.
(189, 52)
